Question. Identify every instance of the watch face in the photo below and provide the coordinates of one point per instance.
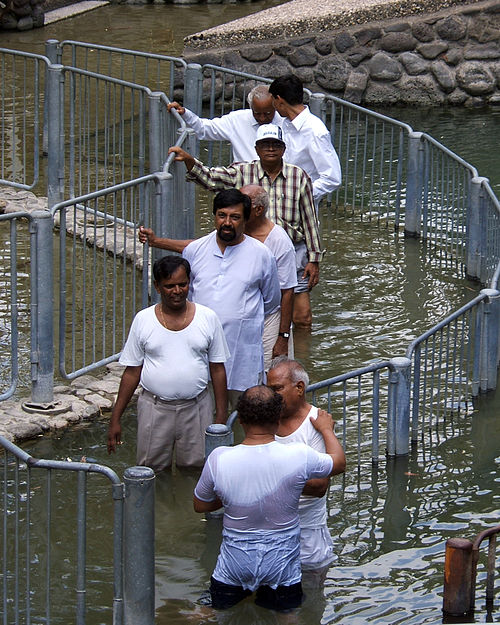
(285, 335)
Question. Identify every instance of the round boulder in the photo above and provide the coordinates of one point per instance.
(384, 67)
(332, 74)
(475, 78)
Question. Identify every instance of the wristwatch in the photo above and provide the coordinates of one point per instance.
(285, 335)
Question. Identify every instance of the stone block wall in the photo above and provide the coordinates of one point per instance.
(22, 14)
(448, 57)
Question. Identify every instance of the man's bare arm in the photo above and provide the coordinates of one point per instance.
(325, 424)
(146, 235)
(182, 156)
(281, 346)
(219, 383)
(128, 384)
(206, 506)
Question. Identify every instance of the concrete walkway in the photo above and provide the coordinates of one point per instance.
(300, 18)
(73, 9)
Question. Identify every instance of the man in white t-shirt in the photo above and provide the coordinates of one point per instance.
(259, 483)
(171, 350)
(297, 424)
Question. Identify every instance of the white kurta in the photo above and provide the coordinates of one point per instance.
(241, 285)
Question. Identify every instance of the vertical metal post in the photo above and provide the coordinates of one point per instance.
(193, 87)
(155, 135)
(81, 548)
(139, 554)
(398, 419)
(51, 52)
(42, 307)
(55, 156)
(489, 345)
(413, 206)
(475, 230)
(458, 594)
(216, 435)
(316, 105)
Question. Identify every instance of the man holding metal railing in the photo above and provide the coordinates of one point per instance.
(289, 379)
(291, 204)
(238, 127)
(277, 338)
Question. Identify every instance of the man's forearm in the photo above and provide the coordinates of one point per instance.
(286, 310)
(219, 384)
(171, 245)
(335, 450)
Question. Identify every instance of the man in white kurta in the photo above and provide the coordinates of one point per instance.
(239, 281)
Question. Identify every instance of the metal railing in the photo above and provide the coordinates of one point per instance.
(158, 72)
(22, 80)
(33, 520)
(108, 136)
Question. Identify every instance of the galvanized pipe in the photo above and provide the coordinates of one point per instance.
(413, 206)
(398, 420)
(138, 540)
(42, 308)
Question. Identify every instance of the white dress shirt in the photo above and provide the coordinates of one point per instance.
(238, 127)
(309, 146)
(241, 285)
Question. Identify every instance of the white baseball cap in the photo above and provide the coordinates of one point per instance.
(269, 131)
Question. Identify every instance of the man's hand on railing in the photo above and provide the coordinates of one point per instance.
(183, 156)
(176, 107)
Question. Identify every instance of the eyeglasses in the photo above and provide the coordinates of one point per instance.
(270, 145)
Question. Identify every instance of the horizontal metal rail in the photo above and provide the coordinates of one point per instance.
(22, 80)
(354, 398)
(31, 568)
(132, 65)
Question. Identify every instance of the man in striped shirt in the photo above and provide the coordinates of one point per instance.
(291, 204)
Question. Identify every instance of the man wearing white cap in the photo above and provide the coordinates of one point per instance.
(291, 203)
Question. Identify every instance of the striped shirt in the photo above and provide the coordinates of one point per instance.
(290, 197)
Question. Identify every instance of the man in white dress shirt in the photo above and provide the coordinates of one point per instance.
(289, 379)
(308, 141)
(237, 127)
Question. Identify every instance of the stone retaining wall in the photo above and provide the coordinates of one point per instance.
(448, 57)
(22, 14)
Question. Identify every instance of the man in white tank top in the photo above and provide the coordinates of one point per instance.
(289, 379)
